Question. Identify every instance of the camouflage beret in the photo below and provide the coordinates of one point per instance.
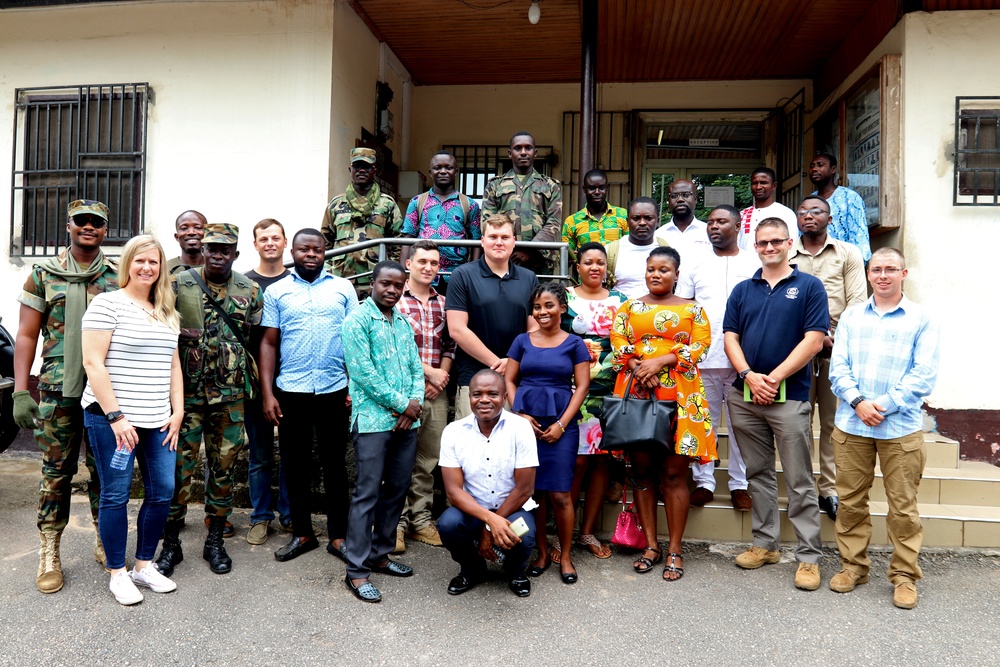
(88, 206)
(219, 232)
(363, 155)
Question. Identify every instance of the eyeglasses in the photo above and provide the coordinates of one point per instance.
(92, 220)
(811, 211)
(680, 195)
(888, 270)
(775, 243)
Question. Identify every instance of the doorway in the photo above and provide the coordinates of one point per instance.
(716, 181)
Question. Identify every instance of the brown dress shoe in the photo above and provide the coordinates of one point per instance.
(701, 497)
(742, 502)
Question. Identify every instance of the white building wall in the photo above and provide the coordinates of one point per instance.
(951, 250)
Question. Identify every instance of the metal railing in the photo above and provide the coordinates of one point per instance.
(382, 244)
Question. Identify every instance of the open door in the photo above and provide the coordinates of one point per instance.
(791, 149)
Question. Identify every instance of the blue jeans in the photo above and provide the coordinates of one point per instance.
(459, 530)
(156, 464)
(260, 436)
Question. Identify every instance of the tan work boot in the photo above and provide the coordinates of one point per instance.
(845, 581)
(400, 541)
(428, 535)
(99, 555)
(905, 595)
(807, 576)
(50, 576)
(756, 556)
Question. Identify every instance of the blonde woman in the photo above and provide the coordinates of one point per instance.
(133, 406)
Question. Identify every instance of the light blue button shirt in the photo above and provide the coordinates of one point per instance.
(310, 317)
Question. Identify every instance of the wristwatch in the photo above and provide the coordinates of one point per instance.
(114, 416)
(743, 374)
(857, 401)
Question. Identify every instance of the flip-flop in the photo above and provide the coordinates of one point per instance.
(594, 546)
(556, 552)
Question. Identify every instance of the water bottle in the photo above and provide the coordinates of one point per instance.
(120, 461)
(501, 555)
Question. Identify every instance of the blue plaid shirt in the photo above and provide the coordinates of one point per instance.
(892, 359)
(383, 366)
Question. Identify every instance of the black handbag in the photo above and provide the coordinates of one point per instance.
(636, 423)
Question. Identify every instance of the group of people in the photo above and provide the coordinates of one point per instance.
(147, 359)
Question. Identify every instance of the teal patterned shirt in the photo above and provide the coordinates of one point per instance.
(383, 367)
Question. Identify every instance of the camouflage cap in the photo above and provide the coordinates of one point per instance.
(363, 155)
(88, 206)
(219, 232)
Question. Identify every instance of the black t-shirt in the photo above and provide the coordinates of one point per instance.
(265, 281)
(498, 309)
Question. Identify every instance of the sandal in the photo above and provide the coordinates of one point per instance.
(595, 547)
(556, 551)
(643, 564)
(671, 568)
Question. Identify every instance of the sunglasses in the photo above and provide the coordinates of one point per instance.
(92, 220)
(775, 243)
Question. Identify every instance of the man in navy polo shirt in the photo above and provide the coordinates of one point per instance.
(488, 306)
(774, 325)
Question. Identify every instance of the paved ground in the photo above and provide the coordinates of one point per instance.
(270, 613)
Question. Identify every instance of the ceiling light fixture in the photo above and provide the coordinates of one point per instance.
(659, 138)
(534, 12)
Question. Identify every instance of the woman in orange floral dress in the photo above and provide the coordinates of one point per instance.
(659, 339)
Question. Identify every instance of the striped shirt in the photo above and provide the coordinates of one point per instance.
(138, 358)
(892, 359)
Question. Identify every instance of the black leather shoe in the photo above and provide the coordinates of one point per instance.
(569, 577)
(295, 548)
(521, 586)
(460, 584)
(170, 554)
(215, 551)
(830, 505)
(340, 553)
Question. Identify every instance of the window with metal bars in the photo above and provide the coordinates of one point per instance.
(977, 151)
(477, 164)
(77, 142)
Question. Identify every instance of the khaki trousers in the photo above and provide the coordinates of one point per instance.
(420, 498)
(821, 394)
(902, 462)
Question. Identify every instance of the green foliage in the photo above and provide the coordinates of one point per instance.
(740, 182)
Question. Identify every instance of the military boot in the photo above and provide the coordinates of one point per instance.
(170, 554)
(99, 555)
(50, 576)
(215, 550)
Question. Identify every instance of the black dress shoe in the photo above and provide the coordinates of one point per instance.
(460, 584)
(340, 553)
(569, 577)
(830, 505)
(295, 548)
(521, 586)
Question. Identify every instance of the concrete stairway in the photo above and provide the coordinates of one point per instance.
(959, 503)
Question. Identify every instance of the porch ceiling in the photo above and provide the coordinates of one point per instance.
(451, 42)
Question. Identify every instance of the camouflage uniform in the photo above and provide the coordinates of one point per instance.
(535, 206)
(214, 365)
(342, 226)
(60, 426)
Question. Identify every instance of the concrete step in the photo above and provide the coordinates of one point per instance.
(945, 525)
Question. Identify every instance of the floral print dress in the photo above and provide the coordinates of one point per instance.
(643, 331)
(591, 319)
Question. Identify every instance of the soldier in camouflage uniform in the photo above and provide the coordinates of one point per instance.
(218, 376)
(53, 301)
(533, 201)
(360, 214)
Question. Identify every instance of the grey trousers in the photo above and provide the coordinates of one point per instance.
(384, 465)
(759, 429)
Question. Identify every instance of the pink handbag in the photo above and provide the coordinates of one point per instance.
(628, 532)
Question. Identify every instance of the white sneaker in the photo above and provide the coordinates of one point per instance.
(151, 578)
(124, 590)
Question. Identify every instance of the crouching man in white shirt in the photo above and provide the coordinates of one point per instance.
(488, 462)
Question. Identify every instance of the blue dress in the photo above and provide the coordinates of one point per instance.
(544, 391)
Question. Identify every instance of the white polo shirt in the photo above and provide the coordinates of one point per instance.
(689, 242)
(709, 279)
(488, 463)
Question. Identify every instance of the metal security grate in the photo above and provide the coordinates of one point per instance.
(77, 142)
(977, 151)
(477, 164)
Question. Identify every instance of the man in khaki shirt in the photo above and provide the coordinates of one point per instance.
(842, 270)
